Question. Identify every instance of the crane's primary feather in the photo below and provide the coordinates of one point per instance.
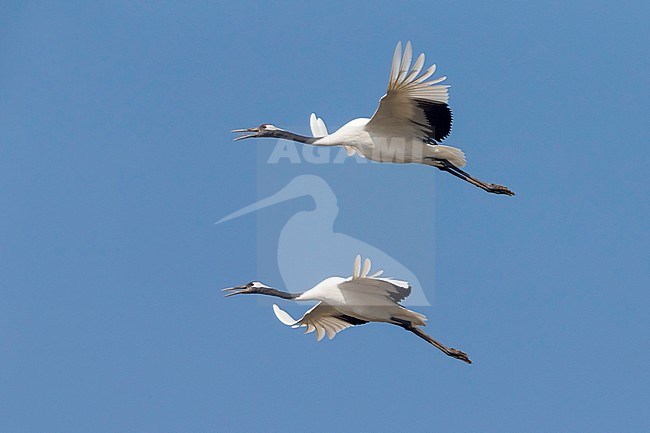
(321, 318)
(412, 104)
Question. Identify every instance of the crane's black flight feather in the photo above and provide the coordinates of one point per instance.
(438, 116)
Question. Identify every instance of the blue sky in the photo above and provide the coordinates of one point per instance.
(116, 160)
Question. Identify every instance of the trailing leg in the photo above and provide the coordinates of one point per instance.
(454, 353)
(493, 188)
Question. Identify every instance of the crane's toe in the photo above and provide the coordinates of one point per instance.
(459, 355)
(500, 189)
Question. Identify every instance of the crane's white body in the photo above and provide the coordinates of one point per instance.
(357, 137)
(363, 297)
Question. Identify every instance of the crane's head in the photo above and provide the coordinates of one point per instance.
(252, 287)
(264, 130)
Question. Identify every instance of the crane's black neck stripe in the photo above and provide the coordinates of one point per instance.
(293, 137)
(274, 292)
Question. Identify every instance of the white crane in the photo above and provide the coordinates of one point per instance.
(412, 119)
(345, 302)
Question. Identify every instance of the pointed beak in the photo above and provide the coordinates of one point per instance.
(237, 290)
(254, 130)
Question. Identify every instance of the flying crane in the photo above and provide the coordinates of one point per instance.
(412, 119)
(352, 301)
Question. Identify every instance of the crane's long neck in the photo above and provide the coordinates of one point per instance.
(286, 135)
(277, 293)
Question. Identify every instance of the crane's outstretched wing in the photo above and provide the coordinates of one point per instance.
(413, 106)
(362, 288)
(321, 318)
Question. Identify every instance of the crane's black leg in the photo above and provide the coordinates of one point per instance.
(447, 166)
(449, 351)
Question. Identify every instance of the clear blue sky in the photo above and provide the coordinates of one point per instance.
(116, 160)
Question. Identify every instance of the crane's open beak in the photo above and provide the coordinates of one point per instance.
(254, 130)
(237, 290)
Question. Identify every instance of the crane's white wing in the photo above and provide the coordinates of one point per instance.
(322, 318)
(412, 106)
(374, 291)
(361, 286)
(318, 129)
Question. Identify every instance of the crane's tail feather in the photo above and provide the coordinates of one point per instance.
(451, 154)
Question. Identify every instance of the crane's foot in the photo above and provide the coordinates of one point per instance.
(454, 353)
(499, 189)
